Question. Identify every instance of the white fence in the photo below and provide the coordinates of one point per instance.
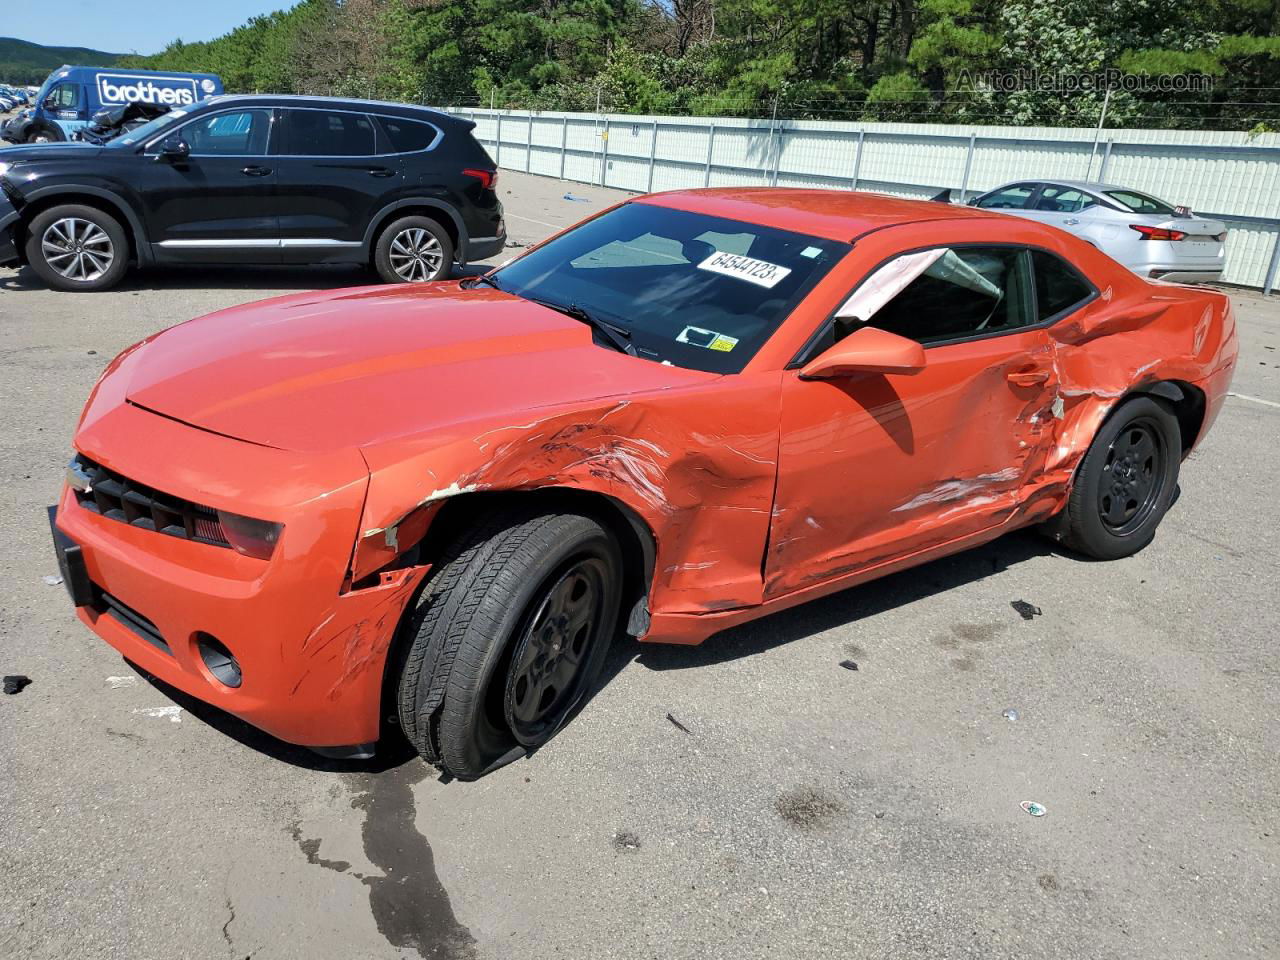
(1234, 177)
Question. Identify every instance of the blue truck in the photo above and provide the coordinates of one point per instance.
(72, 95)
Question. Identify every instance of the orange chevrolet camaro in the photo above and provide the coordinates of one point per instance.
(436, 506)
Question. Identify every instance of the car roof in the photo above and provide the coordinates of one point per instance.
(292, 99)
(1088, 186)
(831, 214)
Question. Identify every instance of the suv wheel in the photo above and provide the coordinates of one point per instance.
(77, 248)
(508, 638)
(413, 250)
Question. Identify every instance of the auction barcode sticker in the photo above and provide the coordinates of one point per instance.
(760, 272)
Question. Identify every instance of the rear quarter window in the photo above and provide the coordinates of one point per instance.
(407, 136)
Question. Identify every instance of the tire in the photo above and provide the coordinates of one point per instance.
(1126, 482)
(39, 136)
(413, 250)
(503, 608)
(96, 248)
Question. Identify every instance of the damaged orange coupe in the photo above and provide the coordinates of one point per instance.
(436, 505)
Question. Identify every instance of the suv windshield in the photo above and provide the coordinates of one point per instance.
(147, 130)
(688, 289)
(1139, 202)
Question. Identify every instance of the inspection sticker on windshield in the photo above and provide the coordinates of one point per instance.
(697, 337)
(760, 272)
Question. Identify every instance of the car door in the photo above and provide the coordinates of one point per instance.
(218, 204)
(874, 467)
(1064, 207)
(331, 182)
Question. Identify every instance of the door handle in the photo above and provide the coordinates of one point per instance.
(1071, 220)
(256, 171)
(380, 172)
(1028, 377)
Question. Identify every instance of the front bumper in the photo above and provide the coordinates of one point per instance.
(8, 242)
(311, 654)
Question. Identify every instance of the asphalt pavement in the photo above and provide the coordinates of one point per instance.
(749, 798)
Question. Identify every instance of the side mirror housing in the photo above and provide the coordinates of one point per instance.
(174, 149)
(868, 350)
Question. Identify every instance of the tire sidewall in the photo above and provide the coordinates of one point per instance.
(467, 704)
(1089, 532)
(108, 224)
(382, 251)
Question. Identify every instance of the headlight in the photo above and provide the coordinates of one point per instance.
(253, 538)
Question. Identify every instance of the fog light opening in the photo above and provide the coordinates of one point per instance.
(218, 659)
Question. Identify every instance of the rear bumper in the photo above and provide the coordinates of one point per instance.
(482, 248)
(311, 655)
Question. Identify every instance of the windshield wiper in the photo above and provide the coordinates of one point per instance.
(618, 337)
(484, 278)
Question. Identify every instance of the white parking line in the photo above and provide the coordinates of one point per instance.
(1245, 396)
(516, 216)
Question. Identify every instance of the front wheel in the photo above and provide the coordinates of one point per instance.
(77, 248)
(413, 250)
(1126, 482)
(508, 638)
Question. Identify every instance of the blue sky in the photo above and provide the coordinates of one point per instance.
(125, 26)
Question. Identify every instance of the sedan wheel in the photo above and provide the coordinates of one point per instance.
(77, 249)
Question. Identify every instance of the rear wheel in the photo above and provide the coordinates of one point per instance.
(413, 250)
(77, 248)
(508, 638)
(1126, 482)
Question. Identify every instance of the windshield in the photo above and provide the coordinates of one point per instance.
(147, 130)
(689, 289)
(1139, 202)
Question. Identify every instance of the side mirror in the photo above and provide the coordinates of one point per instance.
(174, 149)
(51, 105)
(869, 350)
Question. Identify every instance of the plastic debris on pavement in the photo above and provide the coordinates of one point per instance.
(1011, 714)
(1027, 611)
(570, 197)
(52, 580)
(115, 683)
(1033, 808)
(16, 683)
(678, 725)
(849, 664)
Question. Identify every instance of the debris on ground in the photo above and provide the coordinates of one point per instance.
(626, 840)
(678, 725)
(173, 714)
(1026, 610)
(1011, 714)
(807, 807)
(572, 198)
(16, 683)
(849, 664)
(1033, 808)
(52, 580)
(115, 683)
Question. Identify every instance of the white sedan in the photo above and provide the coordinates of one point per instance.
(1152, 238)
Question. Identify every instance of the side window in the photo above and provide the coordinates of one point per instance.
(1063, 200)
(1010, 198)
(321, 133)
(64, 96)
(240, 134)
(1058, 286)
(943, 294)
(407, 136)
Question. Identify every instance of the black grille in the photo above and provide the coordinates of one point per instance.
(105, 603)
(116, 497)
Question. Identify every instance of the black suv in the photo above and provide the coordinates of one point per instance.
(256, 179)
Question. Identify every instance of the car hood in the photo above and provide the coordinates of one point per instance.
(26, 153)
(356, 368)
